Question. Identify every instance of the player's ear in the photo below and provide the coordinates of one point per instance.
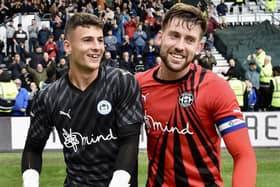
(200, 46)
(67, 47)
(158, 38)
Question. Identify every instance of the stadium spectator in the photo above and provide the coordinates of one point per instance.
(141, 11)
(33, 90)
(251, 99)
(61, 7)
(122, 18)
(181, 124)
(51, 48)
(239, 88)
(270, 5)
(131, 8)
(140, 40)
(16, 66)
(60, 47)
(57, 25)
(111, 43)
(275, 86)
(43, 35)
(108, 25)
(3, 11)
(20, 38)
(10, 45)
(8, 92)
(127, 45)
(222, 11)
(150, 19)
(15, 7)
(207, 60)
(126, 63)
(66, 105)
(252, 79)
(238, 3)
(209, 43)
(260, 55)
(26, 78)
(109, 14)
(45, 60)
(26, 7)
(116, 30)
(130, 27)
(213, 24)
(266, 75)
(149, 54)
(61, 67)
(36, 57)
(148, 28)
(232, 70)
(211, 9)
(21, 101)
(108, 61)
(33, 30)
(39, 75)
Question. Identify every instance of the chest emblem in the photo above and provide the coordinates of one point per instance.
(186, 99)
(104, 107)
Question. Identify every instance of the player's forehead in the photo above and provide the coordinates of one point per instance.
(86, 31)
(179, 22)
(183, 27)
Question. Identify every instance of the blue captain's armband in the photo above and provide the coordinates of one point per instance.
(230, 124)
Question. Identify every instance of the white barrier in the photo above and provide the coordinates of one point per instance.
(264, 131)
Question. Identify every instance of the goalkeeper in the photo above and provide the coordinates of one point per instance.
(96, 111)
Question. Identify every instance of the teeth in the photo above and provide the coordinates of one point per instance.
(177, 56)
(94, 56)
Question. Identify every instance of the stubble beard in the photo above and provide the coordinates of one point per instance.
(169, 65)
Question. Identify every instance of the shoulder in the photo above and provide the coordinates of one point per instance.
(52, 90)
(114, 74)
(145, 76)
(23, 90)
(209, 78)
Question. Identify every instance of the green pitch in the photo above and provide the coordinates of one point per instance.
(53, 172)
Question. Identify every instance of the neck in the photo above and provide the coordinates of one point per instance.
(81, 79)
(164, 73)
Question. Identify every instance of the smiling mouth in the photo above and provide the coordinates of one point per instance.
(177, 56)
(94, 56)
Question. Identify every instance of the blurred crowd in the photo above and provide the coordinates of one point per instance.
(33, 58)
(255, 82)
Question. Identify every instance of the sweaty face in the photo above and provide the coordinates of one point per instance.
(178, 45)
(86, 47)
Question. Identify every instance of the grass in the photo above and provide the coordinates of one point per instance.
(53, 172)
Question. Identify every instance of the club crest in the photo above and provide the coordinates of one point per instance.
(186, 99)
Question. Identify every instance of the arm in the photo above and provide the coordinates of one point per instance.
(25, 102)
(126, 162)
(245, 167)
(234, 131)
(129, 124)
(30, 69)
(37, 137)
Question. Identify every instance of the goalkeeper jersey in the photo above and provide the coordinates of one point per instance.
(185, 120)
(88, 123)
